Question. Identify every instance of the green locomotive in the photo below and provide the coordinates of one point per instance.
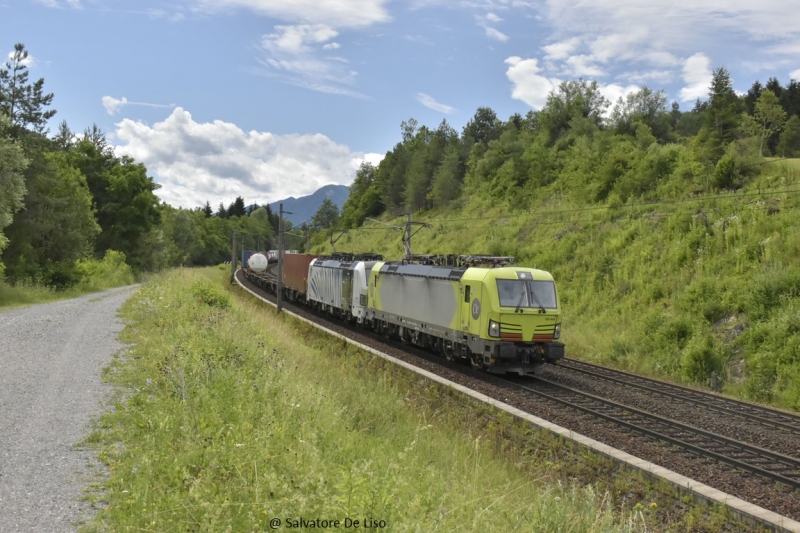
(501, 318)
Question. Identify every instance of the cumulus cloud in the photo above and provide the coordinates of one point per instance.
(795, 74)
(334, 13)
(218, 161)
(529, 86)
(697, 76)
(112, 105)
(429, 102)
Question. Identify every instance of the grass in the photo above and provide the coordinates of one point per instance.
(229, 416)
(94, 276)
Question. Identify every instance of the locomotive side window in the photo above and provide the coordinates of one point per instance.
(466, 294)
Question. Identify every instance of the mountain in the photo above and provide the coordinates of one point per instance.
(305, 207)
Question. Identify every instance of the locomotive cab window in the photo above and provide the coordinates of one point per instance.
(519, 293)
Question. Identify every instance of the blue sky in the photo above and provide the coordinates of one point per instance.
(274, 98)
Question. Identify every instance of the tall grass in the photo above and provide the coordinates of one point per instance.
(228, 420)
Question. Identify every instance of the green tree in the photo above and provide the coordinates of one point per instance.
(57, 226)
(789, 144)
(21, 101)
(448, 178)
(359, 203)
(124, 199)
(572, 100)
(327, 215)
(790, 98)
(483, 127)
(207, 211)
(722, 117)
(12, 182)
(751, 97)
(769, 116)
(236, 208)
(645, 106)
(64, 139)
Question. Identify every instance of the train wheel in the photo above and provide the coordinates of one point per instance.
(476, 361)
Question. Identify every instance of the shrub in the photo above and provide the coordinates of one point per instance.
(111, 271)
(700, 358)
(209, 294)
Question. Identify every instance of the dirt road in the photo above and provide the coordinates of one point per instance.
(51, 357)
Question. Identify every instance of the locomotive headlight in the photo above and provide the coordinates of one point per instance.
(557, 332)
(494, 329)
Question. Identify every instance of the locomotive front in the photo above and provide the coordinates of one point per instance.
(514, 318)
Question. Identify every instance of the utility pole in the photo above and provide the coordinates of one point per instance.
(281, 246)
(308, 239)
(280, 259)
(233, 257)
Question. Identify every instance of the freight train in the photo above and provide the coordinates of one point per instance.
(500, 318)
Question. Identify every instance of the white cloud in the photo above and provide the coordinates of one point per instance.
(697, 76)
(429, 102)
(795, 75)
(335, 13)
(75, 4)
(112, 105)
(491, 17)
(581, 65)
(614, 92)
(218, 161)
(561, 50)
(29, 61)
(297, 39)
(496, 34)
(297, 54)
(529, 86)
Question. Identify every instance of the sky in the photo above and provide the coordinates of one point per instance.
(267, 99)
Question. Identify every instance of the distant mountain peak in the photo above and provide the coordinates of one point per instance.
(305, 207)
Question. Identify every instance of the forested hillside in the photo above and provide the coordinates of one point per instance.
(672, 234)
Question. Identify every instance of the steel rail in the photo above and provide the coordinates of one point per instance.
(759, 458)
(728, 406)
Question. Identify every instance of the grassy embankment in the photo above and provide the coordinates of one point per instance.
(95, 275)
(680, 289)
(230, 416)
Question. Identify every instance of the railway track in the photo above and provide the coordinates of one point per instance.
(740, 455)
(742, 471)
(766, 416)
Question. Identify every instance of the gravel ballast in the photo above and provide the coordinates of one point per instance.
(51, 358)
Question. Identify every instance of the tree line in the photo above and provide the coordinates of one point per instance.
(580, 143)
(67, 198)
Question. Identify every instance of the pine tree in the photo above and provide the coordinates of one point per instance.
(21, 101)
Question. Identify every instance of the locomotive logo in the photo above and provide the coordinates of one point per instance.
(476, 308)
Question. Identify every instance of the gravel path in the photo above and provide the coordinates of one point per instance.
(51, 357)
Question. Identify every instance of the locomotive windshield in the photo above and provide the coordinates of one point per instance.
(518, 293)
